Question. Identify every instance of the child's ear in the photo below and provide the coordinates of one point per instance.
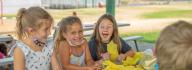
(30, 31)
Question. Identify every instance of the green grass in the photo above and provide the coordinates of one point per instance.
(169, 14)
(58, 14)
(9, 15)
(149, 37)
(91, 12)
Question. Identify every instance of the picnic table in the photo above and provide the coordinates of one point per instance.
(5, 61)
(87, 27)
(134, 38)
(5, 38)
(130, 38)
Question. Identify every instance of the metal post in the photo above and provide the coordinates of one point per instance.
(110, 7)
(136, 45)
(1, 16)
(85, 3)
(92, 3)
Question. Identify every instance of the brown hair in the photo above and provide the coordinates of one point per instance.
(74, 13)
(64, 25)
(115, 36)
(32, 17)
(174, 47)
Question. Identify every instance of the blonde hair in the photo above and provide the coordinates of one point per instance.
(32, 17)
(174, 47)
(64, 26)
(115, 35)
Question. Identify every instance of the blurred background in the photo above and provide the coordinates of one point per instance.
(146, 17)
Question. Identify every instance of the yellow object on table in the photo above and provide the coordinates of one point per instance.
(133, 60)
(113, 51)
(108, 65)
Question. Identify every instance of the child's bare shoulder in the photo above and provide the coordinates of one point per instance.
(64, 44)
(85, 42)
(18, 52)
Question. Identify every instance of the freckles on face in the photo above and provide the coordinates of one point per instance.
(105, 29)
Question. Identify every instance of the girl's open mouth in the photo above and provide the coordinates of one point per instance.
(78, 39)
(105, 35)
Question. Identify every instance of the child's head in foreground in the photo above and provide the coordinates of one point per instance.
(174, 47)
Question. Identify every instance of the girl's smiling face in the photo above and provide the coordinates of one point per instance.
(74, 34)
(105, 30)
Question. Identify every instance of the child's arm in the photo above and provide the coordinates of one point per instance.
(89, 60)
(64, 53)
(126, 50)
(55, 64)
(130, 53)
(19, 63)
(122, 56)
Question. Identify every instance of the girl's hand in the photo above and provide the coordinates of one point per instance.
(105, 56)
(131, 53)
(121, 57)
(99, 62)
(91, 68)
(98, 66)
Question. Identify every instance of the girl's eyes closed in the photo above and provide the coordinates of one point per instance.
(73, 32)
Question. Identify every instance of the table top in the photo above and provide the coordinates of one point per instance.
(87, 27)
(4, 38)
(4, 61)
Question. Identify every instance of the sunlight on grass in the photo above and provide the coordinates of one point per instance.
(149, 37)
(57, 14)
(169, 14)
(9, 16)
